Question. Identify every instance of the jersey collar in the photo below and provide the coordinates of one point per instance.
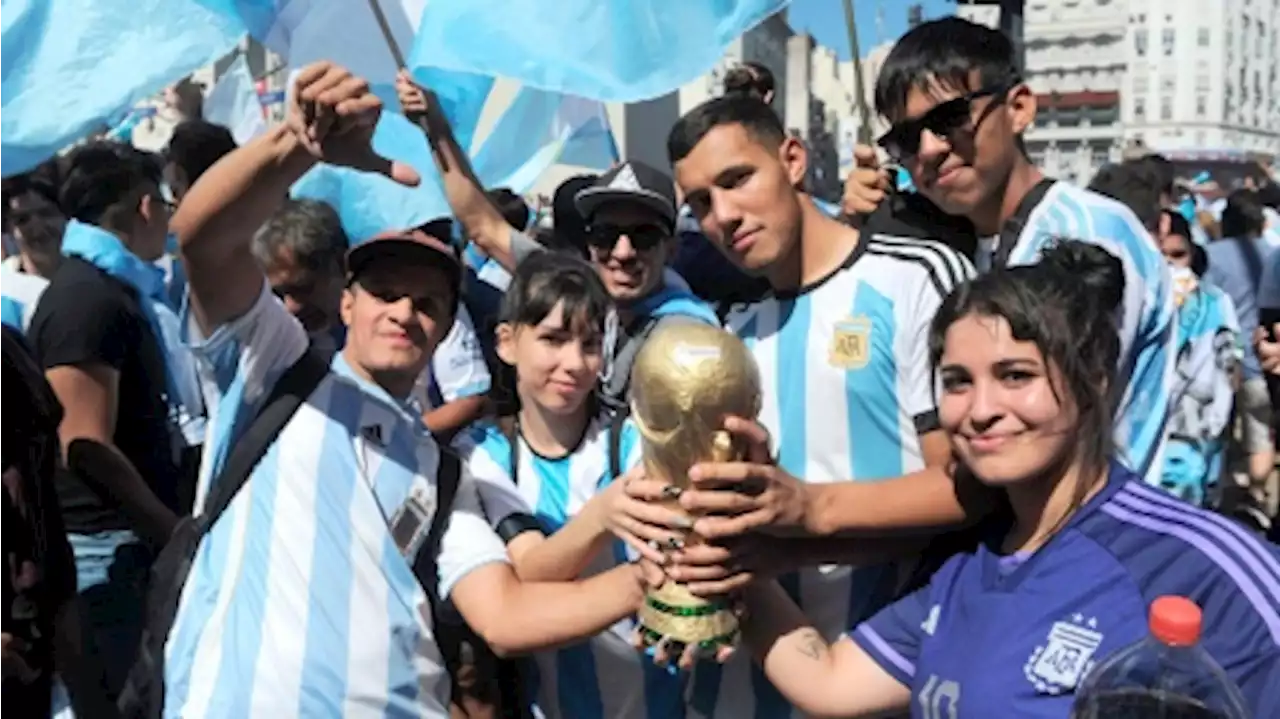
(996, 579)
(405, 407)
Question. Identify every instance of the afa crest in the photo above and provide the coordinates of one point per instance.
(1057, 666)
(851, 343)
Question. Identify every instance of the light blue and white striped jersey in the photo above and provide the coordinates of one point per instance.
(605, 677)
(1202, 395)
(457, 368)
(299, 602)
(848, 388)
(1147, 320)
(19, 294)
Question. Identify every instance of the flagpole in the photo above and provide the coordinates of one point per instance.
(864, 112)
(398, 56)
(385, 27)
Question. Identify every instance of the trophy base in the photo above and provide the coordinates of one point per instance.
(673, 617)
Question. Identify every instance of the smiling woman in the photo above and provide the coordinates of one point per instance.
(1027, 358)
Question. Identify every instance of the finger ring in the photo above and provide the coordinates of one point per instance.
(655, 544)
(671, 491)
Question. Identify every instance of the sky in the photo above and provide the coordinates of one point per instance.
(824, 19)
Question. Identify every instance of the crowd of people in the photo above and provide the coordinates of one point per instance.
(998, 421)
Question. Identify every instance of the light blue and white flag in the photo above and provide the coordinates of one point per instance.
(613, 50)
(72, 64)
(233, 103)
(537, 130)
(541, 129)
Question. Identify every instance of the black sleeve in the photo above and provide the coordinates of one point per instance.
(81, 323)
(513, 525)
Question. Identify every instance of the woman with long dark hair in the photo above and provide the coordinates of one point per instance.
(1027, 360)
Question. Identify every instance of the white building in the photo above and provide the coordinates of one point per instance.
(1076, 62)
(1204, 78)
(1194, 80)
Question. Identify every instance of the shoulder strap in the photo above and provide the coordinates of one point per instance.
(448, 476)
(1012, 227)
(615, 443)
(294, 386)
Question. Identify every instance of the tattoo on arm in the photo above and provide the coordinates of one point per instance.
(811, 644)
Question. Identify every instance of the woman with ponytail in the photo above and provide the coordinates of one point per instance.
(1026, 358)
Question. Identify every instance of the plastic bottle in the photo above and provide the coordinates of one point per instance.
(1166, 675)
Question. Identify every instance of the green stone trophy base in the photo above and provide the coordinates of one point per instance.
(674, 618)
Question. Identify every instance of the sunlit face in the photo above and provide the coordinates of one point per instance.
(998, 404)
(631, 268)
(744, 194)
(964, 170)
(311, 295)
(1175, 248)
(557, 361)
(396, 314)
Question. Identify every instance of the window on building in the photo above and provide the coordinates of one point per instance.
(1167, 40)
(1202, 105)
(1202, 37)
(1140, 42)
(1166, 108)
(1099, 155)
(1140, 108)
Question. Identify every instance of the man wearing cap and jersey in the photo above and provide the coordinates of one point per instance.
(301, 601)
(630, 214)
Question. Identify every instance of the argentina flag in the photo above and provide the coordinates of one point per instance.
(71, 66)
(612, 50)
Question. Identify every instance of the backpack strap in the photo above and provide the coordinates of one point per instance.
(290, 392)
(425, 564)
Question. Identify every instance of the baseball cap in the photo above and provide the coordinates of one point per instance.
(631, 182)
(415, 246)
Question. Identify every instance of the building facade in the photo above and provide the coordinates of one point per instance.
(1192, 80)
(1204, 82)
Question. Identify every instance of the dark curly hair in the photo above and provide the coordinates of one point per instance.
(1066, 305)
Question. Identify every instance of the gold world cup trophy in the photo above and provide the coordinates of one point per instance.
(686, 379)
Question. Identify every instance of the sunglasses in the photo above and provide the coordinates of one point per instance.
(643, 237)
(945, 119)
(424, 301)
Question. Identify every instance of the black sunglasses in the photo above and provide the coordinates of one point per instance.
(643, 237)
(902, 141)
(425, 301)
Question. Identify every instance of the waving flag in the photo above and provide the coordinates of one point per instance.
(70, 65)
(556, 127)
(537, 130)
(233, 102)
(613, 50)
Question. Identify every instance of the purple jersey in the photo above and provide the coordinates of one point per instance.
(1013, 636)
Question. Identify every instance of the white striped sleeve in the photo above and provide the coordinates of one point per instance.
(469, 542)
(940, 270)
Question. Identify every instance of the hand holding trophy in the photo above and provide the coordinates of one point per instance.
(686, 379)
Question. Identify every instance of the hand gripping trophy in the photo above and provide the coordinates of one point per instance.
(686, 379)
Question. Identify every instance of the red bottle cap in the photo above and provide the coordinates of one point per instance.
(1175, 621)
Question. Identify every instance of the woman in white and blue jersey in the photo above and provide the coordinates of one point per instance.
(544, 476)
(1208, 359)
(1026, 358)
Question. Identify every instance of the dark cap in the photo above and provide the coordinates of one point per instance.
(412, 246)
(631, 182)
